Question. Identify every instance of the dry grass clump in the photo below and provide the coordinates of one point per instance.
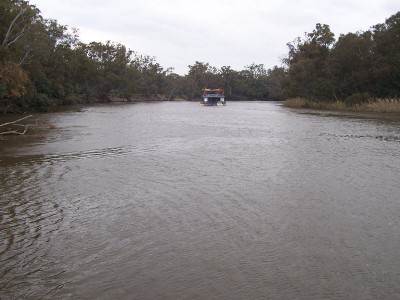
(386, 105)
(295, 102)
(383, 105)
(299, 102)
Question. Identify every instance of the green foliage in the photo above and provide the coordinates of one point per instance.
(43, 63)
(43, 103)
(307, 64)
(43, 86)
(358, 66)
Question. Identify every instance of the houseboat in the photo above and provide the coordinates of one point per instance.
(213, 97)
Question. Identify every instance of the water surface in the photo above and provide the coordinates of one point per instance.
(178, 201)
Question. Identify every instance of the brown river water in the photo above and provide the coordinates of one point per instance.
(178, 201)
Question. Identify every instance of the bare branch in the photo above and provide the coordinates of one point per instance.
(25, 57)
(18, 36)
(13, 122)
(11, 27)
(15, 132)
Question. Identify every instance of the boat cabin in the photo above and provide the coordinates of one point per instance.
(213, 97)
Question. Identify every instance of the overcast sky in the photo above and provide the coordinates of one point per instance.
(232, 33)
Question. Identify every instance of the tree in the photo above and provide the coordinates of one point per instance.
(13, 81)
(255, 76)
(308, 73)
(152, 74)
(173, 85)
(109, 64)
(276, 78)
(199, 77)
(17, 17)
(350, 64)
(387, 57)
(229, 79)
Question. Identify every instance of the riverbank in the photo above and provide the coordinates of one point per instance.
(385, 105)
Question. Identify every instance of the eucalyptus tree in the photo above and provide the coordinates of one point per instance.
(151, 77)
(256, 81)
(275, 81)
(350, 64)
(387, 57)
(108, 69)
(173, 85)
(17, 18)
(229, 78)
(16, 21)
(306, 63)
(199, 76)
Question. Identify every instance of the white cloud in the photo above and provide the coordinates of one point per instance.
(221, 32)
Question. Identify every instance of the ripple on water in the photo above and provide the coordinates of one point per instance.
(248, 201)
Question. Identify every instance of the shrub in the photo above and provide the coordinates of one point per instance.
(43, 103)
(356, 99)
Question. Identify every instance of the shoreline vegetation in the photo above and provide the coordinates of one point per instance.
(380, 105)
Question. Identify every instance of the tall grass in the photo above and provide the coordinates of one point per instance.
(299, 102)
(383, 105)
(388, 105)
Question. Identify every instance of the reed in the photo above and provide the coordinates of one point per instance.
(382, 105)
(385, 105)
(295, 102)
(299, 102)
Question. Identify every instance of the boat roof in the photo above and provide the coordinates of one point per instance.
(213, 91)
(221, 90)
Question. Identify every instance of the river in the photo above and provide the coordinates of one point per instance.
(173, 200)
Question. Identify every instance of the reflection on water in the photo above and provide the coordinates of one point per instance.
(174, 200)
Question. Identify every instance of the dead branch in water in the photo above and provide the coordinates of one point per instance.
(15, 123)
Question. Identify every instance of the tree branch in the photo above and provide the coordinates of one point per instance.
(25, 57)
(12, 132)
(17, 37)
(10, 28)
(13, 122)
(15, 132)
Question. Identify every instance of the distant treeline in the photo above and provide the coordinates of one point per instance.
(43, 64)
